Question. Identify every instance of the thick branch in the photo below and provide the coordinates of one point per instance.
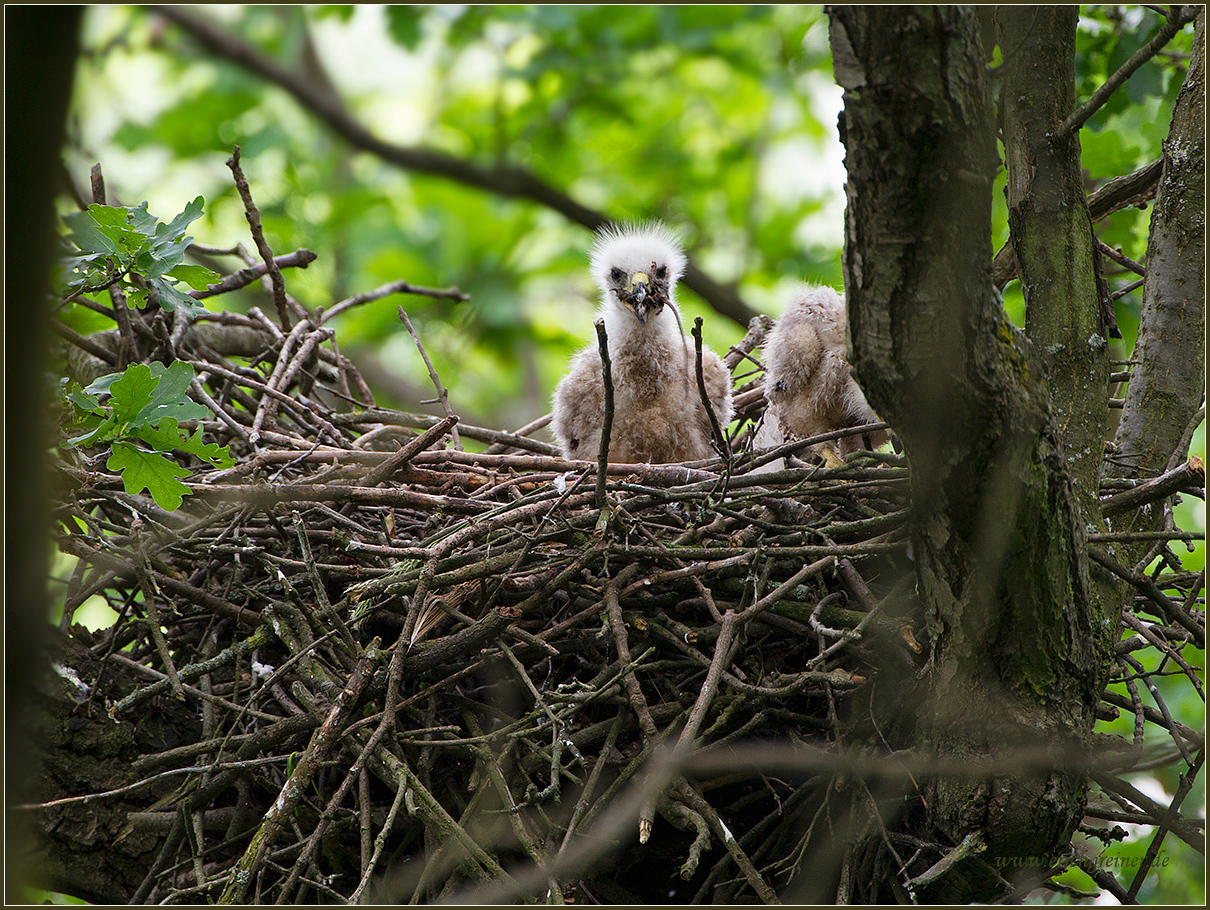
(1052, 233)
(1168, 385)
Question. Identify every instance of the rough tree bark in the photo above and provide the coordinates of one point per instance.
(1051, 231)
(1167, 387)
(1019, 642)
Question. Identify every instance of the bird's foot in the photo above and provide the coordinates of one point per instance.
(830, 458)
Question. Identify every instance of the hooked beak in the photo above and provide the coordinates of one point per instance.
(639, 285)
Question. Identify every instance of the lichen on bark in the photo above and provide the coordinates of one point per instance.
(1019, 643)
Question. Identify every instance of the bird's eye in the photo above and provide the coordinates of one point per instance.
(661, 272)
(616, 274)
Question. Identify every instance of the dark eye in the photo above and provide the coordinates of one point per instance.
(661, 272)
(616, 274)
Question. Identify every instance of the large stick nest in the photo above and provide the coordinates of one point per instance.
(381, 652)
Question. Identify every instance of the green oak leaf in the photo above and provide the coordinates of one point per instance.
(170, 298)
(149, 471)
(170, 398)
(88, 236)
(132, 393)
(168, 435)
(177, 225)
(83, 401)
(104, 430)
(196, 276)
(142, 220)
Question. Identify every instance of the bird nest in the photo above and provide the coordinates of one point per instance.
(395, 666)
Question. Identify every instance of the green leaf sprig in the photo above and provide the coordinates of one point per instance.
(133, 248)
(141, 422)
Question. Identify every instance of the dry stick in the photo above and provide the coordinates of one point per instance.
(258, 235)
(590, 785)
(260, 637)
(971, 845)
(153, 613)
(208, 366)
(195, 386)
(395, 287)
(630, 683)
(1160, 644)
(1153, 715)
(380, 843)
(1170, 609)
(163, 776)
(383, 418)
(309, 763)
(716, 433)
(698, 802)
(719, 663)
(323, 605)
(607, 424)
(1190, 472)
(797, 445)
(1120, 258)
(499, 447)
(1141, 672)
(442, 395)
(788, 585)
(356, 772)
(263, 412)
(1178, 18)
(1104, 879)
(364, 807)
(1182, 828)
(304, 355)
(300, 259)
(1153, 849)
(492, 762)
(85, 343)
(405, 454)
(187, 592)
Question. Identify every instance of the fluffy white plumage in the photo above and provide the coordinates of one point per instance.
(658, 414)
(807, 378)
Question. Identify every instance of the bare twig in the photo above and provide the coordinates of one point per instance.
(442, 396)
(607, 418)
(395, 287)
(1178, 18)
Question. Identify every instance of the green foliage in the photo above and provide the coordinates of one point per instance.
(719, 119)
(132, 249)
(141, 422)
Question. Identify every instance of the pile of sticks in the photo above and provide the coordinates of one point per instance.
(418, 671)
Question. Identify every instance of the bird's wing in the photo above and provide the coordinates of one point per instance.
(578, 409)
(792, 355)
(718, 386)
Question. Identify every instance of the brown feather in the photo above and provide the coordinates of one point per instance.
(658, 414)
(807, 382)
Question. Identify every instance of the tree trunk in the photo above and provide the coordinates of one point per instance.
(1168, 384)
(1052, 233)
(42, 44)
(1019, 643)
